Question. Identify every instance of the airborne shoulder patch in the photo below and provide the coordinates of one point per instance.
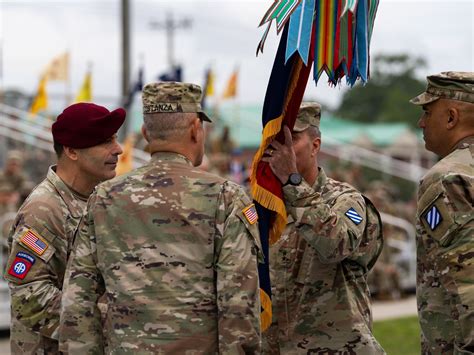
(21, 265)
(433, 217)
(33, 241)
(354, 216)
(250, 213)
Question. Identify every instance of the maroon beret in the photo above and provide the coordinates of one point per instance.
(85, 125)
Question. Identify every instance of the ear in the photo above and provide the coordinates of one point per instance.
(71, 153)
(145, 134)
(316, 146)
(195, 129)
(453, 118)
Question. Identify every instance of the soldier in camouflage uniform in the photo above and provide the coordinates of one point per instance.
(319, 266)
(41, 237)
(173, 248)
(13, 174)
(445, 218)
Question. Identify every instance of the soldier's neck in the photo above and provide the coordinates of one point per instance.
(178, 147)
(72, 177)
(311, 176)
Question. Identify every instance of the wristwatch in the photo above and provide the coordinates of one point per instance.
(294, 179)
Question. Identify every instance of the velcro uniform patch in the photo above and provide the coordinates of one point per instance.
(21, 265)
(34, 242)
(250, 214)
(354, 216)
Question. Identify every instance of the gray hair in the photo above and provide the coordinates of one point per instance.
(313, 132)
(167, 126)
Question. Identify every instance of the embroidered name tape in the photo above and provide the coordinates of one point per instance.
(250, 213)
(354, 216)
(33, 241)
(21, 265)
(433, 217)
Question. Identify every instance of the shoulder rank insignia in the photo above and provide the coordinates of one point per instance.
(34, 242)
(433, 217)
(21, 265)
(354, 216)
(250, 213)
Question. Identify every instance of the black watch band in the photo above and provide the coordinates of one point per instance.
(294, 179)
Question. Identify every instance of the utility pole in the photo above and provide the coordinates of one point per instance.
(125, 21)
(170, 25)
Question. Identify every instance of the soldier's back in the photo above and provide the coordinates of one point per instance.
(157, 235)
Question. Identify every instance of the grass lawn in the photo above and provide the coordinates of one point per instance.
(399, 336)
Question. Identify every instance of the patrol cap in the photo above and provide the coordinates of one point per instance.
(6, 187)
(85, 125)
(453, 85)
(309, 114)
(14, 155)
(172, 96)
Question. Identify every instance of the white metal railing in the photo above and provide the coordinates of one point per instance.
(36, 131)
(404, 256)
(377, 161)
(18, 124)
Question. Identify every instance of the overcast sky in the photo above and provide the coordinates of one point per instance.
(224, 34)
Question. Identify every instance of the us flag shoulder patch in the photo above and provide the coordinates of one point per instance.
(250, 213)
(34, 242)
(354, 216)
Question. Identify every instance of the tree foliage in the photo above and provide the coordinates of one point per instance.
(385, 97)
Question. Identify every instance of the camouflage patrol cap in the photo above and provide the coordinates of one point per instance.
(171, 97)
(14, 155)
(309, 114)
(452, 85)
(6, 187)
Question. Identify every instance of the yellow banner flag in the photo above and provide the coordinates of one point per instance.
(58, 69)
(40, 101)
(210, 83)
(85, 94)
(231, 88)
(125, 162)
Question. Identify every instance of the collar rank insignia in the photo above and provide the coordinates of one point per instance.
(34, 242)
(354, 216)
(433, 217)
(250, 213)
(21, 265)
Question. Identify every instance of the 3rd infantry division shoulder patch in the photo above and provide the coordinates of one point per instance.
(433, 217)
(354, 216)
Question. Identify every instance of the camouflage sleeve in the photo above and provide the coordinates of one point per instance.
(454, 236)
(34, 291)
(334, 231)
(237, 249)
(80, 330)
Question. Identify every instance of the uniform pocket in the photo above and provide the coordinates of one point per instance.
(314, 273)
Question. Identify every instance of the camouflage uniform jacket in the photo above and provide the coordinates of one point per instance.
(16, 180)
(445, 251)
(321, 302)
(170, 247)
(39, 244)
